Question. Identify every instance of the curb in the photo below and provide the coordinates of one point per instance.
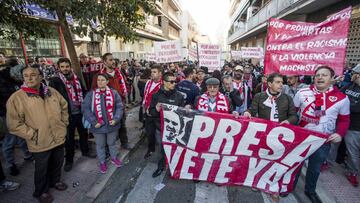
(101, 181)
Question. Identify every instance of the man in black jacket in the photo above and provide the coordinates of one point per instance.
(352, 138)
(70, 88)
(166, 95)
(10, 83)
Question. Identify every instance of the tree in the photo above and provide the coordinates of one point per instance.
(117, 18)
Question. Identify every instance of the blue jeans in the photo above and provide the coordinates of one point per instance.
(313, 170)
(101, 140)
(352, 140)
(8, 145)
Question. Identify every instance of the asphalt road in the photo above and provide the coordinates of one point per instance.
(132, 183)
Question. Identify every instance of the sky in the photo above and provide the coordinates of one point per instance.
(211, 16)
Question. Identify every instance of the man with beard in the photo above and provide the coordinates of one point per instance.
(274, 106)
(166, 95)
(116, 81)
(69, 86)
(323, 108)
(293, 85)
(189, 90)
(244, 89)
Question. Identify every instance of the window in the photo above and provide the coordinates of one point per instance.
(94, 49)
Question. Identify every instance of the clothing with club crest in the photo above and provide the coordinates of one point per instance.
(327, 112)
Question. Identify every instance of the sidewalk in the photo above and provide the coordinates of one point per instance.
(335, 185)
(84, 181)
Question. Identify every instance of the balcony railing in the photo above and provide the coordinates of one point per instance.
(271, 9)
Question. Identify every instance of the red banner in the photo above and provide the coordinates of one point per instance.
(92, 67)
(218, 148)
(298, 48)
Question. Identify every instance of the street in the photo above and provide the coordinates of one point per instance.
(133, 183)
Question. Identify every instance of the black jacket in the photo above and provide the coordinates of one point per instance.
(353, 92)
(58, 84)
(172, 97)
(234, 97)
(7, 87)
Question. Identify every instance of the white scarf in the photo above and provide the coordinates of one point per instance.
(271, 102)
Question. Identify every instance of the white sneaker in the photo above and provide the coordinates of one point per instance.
(9, 185)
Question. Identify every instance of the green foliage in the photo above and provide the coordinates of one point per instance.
(116, 18)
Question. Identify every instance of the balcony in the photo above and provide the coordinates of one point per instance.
(175, 5)
(174, 19)
(280, 9)
(239, 10)
(271, 9)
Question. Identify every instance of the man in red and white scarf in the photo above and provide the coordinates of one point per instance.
(325, 109)
(151, 87)
(213, 100)
(117, 82)
(69, 86)
(244, 89)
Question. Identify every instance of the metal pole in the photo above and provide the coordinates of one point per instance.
(23, 47)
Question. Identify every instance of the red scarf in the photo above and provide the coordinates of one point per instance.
(109, 104)
(118, 76)
(73, 89)
(148, 92)
(320, 107)
(37, 92)
(222, 104)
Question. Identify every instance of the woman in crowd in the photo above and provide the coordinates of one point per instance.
(102, 108)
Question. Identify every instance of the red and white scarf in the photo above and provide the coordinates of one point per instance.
(149, 92)
(319, 105)
(221, 103)
(118, 76)
(44, 90)
(73, 89)
(271, 102)
(109, 104)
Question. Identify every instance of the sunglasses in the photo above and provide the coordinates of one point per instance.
(171, 81)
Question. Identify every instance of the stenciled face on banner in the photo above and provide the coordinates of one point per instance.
(176, 128)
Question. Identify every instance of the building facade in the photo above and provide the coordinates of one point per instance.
(248, 24)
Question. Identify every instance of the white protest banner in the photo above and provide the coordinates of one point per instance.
(168, 51)
(252, 52)
(150, 57)
(235, 54)
(210, 56)
(192, 54)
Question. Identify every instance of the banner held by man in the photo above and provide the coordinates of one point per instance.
(218, 148)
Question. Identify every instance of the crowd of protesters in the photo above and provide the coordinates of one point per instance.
(44, 103)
